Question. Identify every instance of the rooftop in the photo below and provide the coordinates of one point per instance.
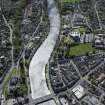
(78, 91)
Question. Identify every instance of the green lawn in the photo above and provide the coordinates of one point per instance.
(62, 2)
(80, 30)
(69, 1)
(81, 49)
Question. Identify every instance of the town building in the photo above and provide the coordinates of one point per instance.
(78, 91)
(100, 40)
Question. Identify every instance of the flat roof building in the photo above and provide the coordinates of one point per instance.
(78, 91)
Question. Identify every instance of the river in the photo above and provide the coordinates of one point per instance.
(42, 55)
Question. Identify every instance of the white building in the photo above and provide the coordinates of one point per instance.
(64, 101)
(75, 33)
(78, 91)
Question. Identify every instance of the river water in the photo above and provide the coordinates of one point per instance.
(40, 59)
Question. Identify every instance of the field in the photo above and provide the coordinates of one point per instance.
(69, 1)
(63, 2)
(82, 49)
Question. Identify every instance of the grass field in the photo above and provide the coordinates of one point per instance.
(62, 2)
(81, 49)
(69, 1)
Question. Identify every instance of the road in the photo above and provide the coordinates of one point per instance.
(98, 14)
(11, 34)
(40, 59)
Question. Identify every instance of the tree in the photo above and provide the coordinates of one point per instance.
(21, 90)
